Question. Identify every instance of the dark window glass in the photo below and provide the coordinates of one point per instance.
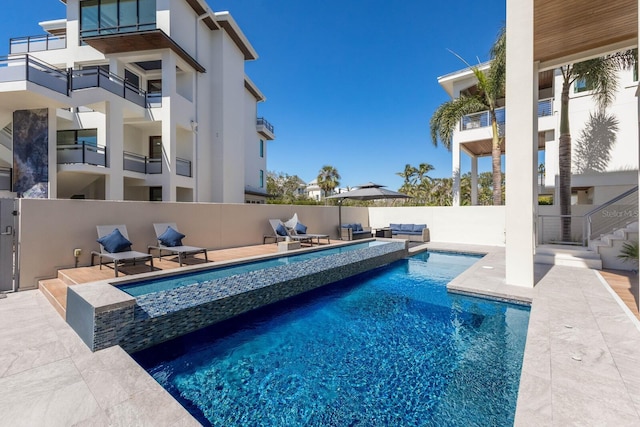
(131, 78)
(108, 15)
(261, 178)
(261, 148)
(147, 11)
(155, 194)
(154, 87)
(79, 136)
(155, 147)
(581, 85)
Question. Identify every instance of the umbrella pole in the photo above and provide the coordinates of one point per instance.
(340, 219)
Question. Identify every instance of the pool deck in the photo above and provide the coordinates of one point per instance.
(581, 363)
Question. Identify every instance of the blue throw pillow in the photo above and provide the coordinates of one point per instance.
(357, 227)
(171, 237)
(419, 227)
(115, 242)
(281, 231)
(347, 226)
(300, 228)
(406, 227)
(394, 227)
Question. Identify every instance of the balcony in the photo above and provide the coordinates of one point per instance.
(142, 164)
(24, 67)
(37, 43)
(6, 179)
(82, 153)
(483, 119)
(183, 167)
(98, 77)
(265, 129)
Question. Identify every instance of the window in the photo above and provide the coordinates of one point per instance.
(99, 17)
(261, 178)
(155, 147)
(155, 194)
(131, 78)
(581, 85)
(77, 137)
(261, 148)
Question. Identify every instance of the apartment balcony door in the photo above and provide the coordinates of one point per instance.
(7, 245)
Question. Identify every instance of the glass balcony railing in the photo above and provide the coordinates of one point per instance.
(82, 153)
(142, 164)
(5, 179)
(24, 67)
(37, 43)
(98, 77)
(483, 119)
(183, 167)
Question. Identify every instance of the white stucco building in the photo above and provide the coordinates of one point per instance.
(137, 100)
(590, 184)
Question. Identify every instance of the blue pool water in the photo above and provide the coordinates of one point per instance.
(386, 348)
(172, 282)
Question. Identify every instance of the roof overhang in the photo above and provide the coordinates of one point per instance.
(253, 90)
(575, 30)
(57, 27)
(226, 21)
(482, 148)
(139, 41)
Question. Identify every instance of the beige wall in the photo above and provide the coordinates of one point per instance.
(51, 229)
(481, 225)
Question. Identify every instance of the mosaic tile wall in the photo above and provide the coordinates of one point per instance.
(165, 315)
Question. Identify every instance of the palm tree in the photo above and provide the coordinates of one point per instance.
(490, 90)
(328, 179)
(599, 76)
(409, 176)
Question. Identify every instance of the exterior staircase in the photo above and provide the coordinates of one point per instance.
(55, 290)
(608, 246)
(571, 256)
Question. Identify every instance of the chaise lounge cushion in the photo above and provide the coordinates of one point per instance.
(115, 242)
(171, 237)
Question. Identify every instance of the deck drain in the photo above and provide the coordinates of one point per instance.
(568, 326)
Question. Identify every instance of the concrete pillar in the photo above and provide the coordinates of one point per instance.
(169, 134)
(637, 95)
(521, 131)
(114, 139)
(52, 136)
(474, 180)
(456, 175)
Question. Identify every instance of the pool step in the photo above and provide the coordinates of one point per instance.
(55, 290)
(570, 256)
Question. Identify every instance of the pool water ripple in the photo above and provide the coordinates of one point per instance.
(390, 347)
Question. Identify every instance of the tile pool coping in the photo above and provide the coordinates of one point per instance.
(104, 315)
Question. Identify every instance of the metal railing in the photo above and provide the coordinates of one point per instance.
(81, 153)
(138, 163)
(25, 67)
(6, 179)
(121, 29)
(183, 167)
(98, 77)
(483, 118)
(38, 43)
(613, 215)
(262, 122)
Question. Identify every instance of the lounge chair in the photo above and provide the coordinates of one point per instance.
(170, 240)
(115, 247)
(297, 228)
(281, 232)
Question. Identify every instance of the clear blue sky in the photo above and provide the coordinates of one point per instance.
(350, 83)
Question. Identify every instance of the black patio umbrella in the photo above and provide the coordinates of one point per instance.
(368, 191)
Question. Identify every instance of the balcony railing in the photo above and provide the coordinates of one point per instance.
(6, 175)
(98, 77)
(123, 29)
(24, 67)
(37, 43)
(183, 167)
(82, 153)
(262, 122)
(483, 119)
(138, 163)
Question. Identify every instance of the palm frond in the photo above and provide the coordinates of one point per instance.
(446, 118)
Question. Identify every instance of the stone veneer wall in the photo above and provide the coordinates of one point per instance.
(164, 315)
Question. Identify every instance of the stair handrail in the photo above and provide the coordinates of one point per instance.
(593, 211)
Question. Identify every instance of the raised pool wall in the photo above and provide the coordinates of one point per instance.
(44, 248)
(104, 316)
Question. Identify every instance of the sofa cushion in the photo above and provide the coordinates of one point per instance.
(406, 227)
(300, 228)
(115, 242)
(419, 227)
(171, 237)
(280, 230)
(394, 227)
(357, 227)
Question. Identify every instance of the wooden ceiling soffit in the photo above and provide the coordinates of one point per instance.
(569, 27)
(138, 41)
(482, 148)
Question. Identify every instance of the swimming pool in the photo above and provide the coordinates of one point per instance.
(167, 283)
(387, 347)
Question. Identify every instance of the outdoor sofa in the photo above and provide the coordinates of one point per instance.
(411, 232)
(355, 231)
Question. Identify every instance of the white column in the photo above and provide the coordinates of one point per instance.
(169, 134)
(474, 180)
(639, 133)
(456, 175)
(114, 136)
(521, 131)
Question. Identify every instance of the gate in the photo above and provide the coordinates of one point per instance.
(7, 245)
